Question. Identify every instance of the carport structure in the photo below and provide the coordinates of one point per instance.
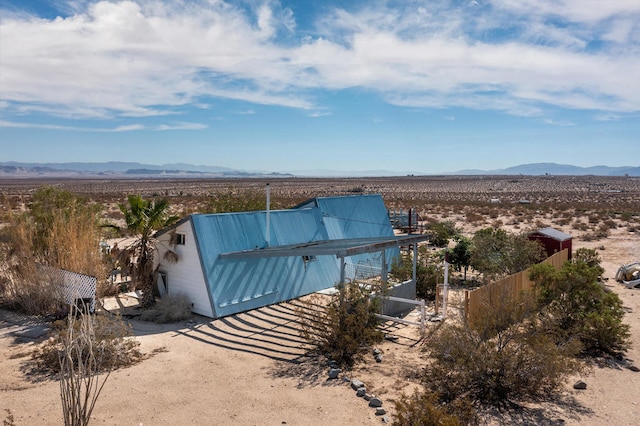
(342, 249)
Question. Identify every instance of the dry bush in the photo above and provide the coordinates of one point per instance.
(60, 231)
(109, 339)
(505, 358)
(170, 308)
(74, 245)
(425, 409)
(24, 286)
(580, 226)
(347, 325)
(79, 359)
(473, 217)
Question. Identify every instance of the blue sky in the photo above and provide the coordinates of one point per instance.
(304, 86)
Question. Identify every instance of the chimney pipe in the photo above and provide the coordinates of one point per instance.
(267, 236)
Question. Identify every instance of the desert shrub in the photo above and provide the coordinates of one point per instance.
(496, 253)
(79, 361)
(347, 326)
(505, 357)
(25, 287)
(108, 341)
(473, 217)
(576, 306)
(239, 200)
(427, 273)
(460, 255)
(170, 308)
(60, 231)
(9, 420)
(580, 226)
(425, 409)
(441, 232)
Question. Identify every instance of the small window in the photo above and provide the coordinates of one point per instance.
(308, 258)
(179, 239)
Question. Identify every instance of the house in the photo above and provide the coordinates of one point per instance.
(233, 262)
(552, 240)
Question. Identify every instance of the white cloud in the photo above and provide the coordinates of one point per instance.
(148, 58)
(123, 128)
(563, 123)
(182, 126)
(317, 114)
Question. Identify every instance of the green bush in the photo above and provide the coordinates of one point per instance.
(347, 327)
(507, 356)
(576, 305)
(427, 274)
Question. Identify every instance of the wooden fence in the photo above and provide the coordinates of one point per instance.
(508, 288)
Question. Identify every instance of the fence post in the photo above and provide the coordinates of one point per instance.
(466, 304)
(422, 318)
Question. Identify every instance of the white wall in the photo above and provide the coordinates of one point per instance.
(185, 276)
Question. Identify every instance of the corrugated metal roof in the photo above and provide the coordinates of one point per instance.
(237, 285)
(554, 233)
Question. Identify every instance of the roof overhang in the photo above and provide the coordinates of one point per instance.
(339, 248)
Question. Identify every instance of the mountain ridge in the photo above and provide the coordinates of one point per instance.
(135, 169)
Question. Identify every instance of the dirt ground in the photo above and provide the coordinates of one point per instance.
(253, 368)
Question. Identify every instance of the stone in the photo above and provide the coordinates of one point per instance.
(361, 392)
(375, 402)
(391, 337)
(379, 358)
(376, 351)
(380, 411)
(367, 397)
(580, 385)
(356, 384)
(385, 419)
(334, 373)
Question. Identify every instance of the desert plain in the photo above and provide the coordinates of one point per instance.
(255, 369)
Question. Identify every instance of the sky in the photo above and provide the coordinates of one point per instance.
(308, 86)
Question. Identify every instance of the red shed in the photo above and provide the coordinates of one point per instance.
(552, 240)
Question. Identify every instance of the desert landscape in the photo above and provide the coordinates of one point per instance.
(255, 369)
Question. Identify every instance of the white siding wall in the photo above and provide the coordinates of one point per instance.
(185, 276)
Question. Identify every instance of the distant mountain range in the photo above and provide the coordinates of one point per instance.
(538, 169)
(133, 170)
(123, 169)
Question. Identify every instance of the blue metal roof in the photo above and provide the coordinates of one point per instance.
(237, 285)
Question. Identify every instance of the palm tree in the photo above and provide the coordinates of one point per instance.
(143, 217)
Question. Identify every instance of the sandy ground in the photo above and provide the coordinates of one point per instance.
(252, 369)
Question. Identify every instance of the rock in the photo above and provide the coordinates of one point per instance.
(375, 402)
(380, 411)
(376, 351)
(391, 337)
(334, 373)
(379, 358)
(580, 385)
(356, 384)
(346, 379)
(633, 368)
(367, 397)
(385, 419)
(361, 392)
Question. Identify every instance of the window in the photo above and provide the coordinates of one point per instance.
(179, 239)
(306, 259)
